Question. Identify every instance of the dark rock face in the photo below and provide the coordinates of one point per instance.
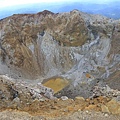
(75, 45)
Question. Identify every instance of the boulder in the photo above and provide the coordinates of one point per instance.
(113, 106)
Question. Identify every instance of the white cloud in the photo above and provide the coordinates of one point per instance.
(5, 3)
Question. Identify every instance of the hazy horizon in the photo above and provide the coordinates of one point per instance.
(103, 7)
(10, 3)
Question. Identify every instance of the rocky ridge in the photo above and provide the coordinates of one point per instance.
(47, 56)
(48, 44)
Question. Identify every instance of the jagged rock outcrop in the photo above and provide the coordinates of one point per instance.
(27, 41)
(77, 46)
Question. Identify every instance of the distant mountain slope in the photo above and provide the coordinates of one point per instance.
(110, 10)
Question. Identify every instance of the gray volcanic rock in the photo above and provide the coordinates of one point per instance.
(36, 43)
(77, 46)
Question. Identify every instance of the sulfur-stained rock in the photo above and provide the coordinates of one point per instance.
(26, 44)
(92, 107)
(105, 109)
(56, 83)
(47, 44)
(78, 98)
(81, 50)
(113, 106)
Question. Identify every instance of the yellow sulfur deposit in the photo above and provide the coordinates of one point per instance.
(56, 84)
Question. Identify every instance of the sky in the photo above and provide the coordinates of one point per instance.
(6, 3)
